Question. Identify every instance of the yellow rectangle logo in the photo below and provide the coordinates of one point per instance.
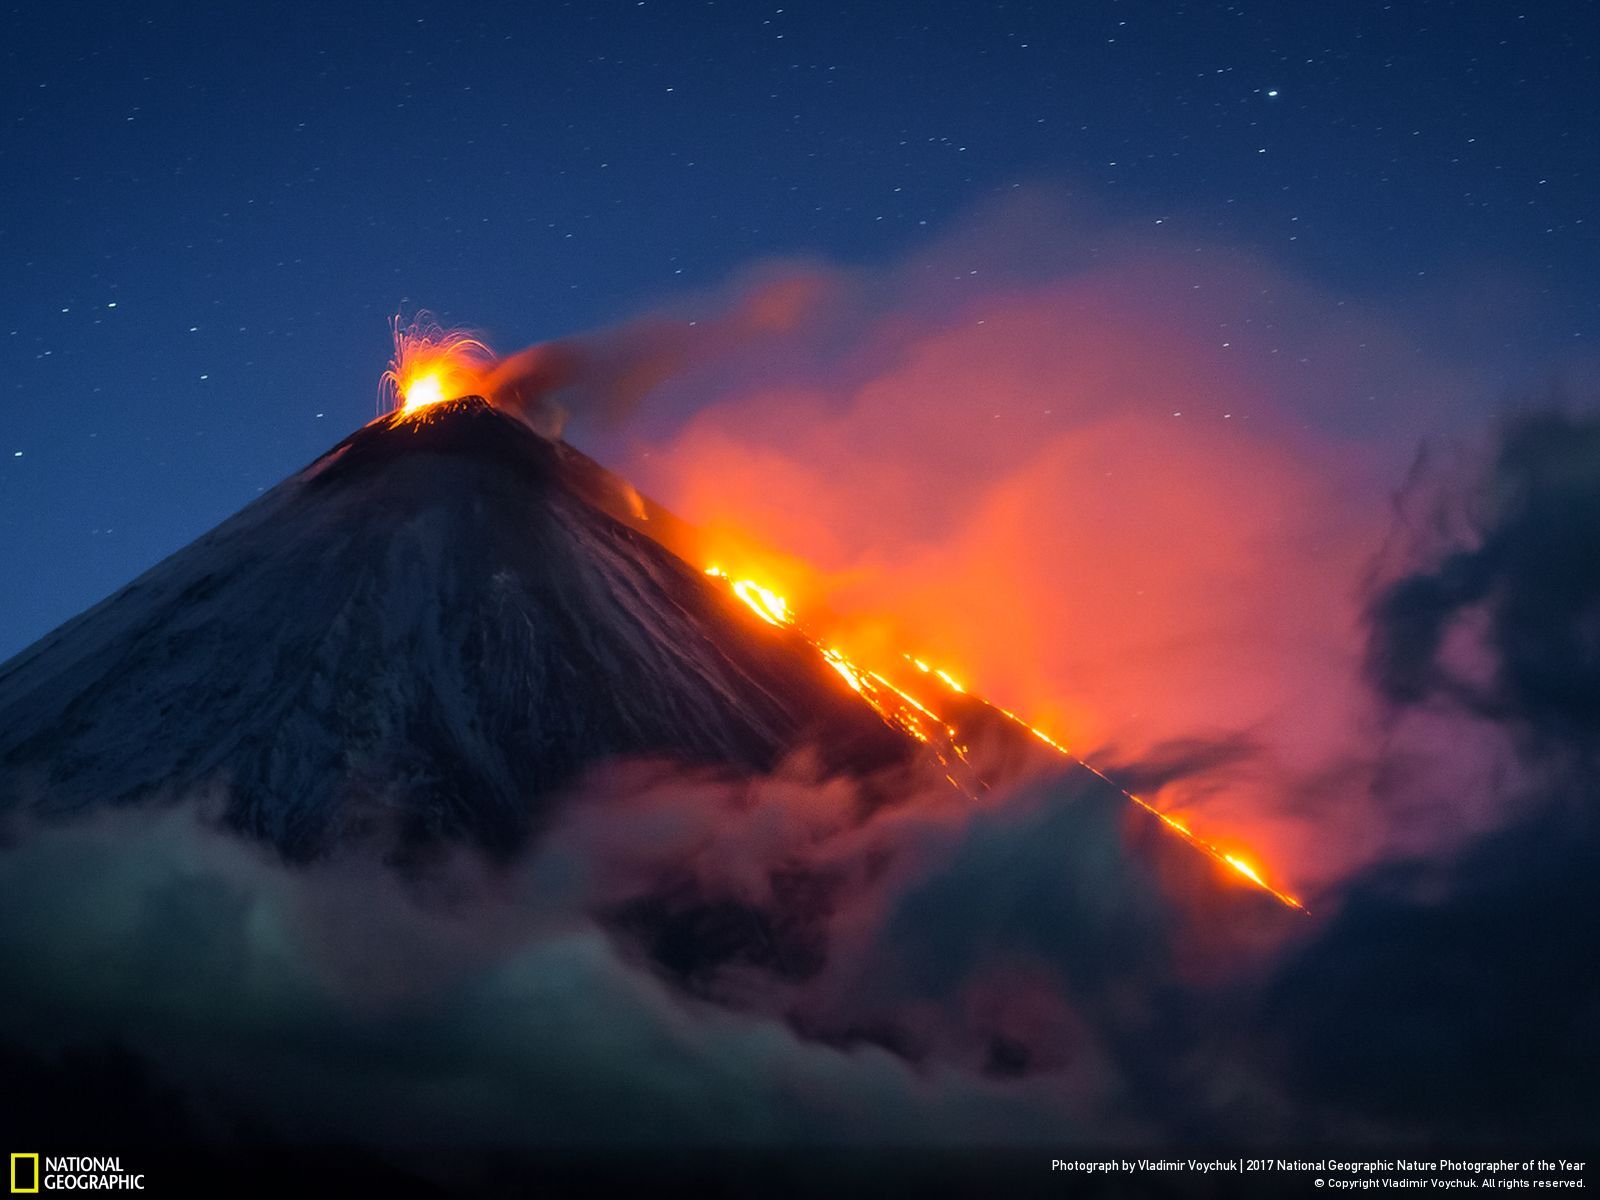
(16, 1185)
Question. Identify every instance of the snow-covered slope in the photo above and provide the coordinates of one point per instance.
(425, 633)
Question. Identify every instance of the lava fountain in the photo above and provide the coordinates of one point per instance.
(432, 364)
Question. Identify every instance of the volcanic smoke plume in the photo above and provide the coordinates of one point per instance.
(457, 772)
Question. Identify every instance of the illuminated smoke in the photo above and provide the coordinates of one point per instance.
(1131, 493)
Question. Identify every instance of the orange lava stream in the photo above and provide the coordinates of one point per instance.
(903, 711)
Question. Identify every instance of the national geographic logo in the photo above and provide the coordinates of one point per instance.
(71, 1173)
(24, 1172)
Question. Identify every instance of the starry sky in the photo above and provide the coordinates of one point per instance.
(209, 212)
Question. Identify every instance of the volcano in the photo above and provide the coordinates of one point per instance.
(439, 627)
(452, 630)
(422, 636)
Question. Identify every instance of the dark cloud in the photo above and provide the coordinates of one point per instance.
(682, 958)
(242, 992)
(1526, 592)
(1455, 1001)
(1456, 996)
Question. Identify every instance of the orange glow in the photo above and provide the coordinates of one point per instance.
(903, 711)
(432, 364)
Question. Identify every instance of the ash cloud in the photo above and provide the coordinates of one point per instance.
(601, 379)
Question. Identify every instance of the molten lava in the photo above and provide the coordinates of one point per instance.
(432, 364)
(918, 718)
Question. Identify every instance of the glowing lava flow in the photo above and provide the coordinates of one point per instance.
(895, 706)
(903, 711)
(431, 365)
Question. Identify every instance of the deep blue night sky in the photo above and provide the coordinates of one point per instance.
(210, 211)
